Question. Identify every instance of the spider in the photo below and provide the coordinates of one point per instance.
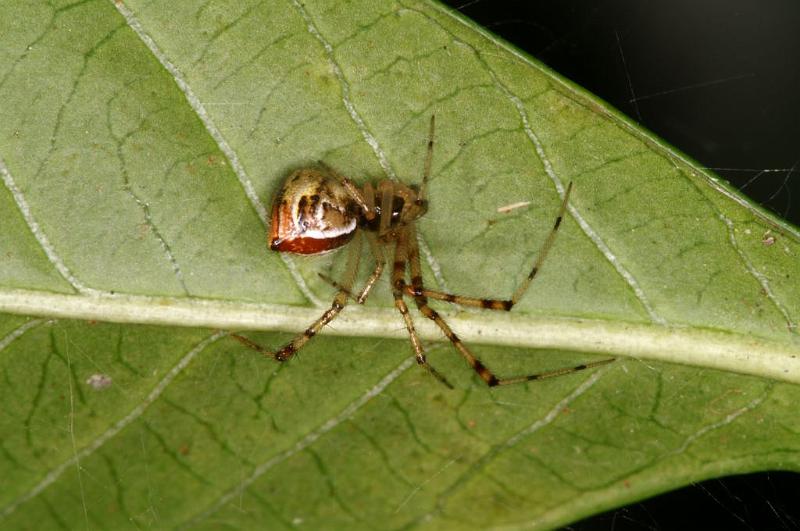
(317, 210)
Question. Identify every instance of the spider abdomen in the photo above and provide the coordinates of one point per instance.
(312, 213)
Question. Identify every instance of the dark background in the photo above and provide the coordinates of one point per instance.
(719, 80)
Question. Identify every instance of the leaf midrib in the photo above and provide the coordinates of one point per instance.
(700, 347)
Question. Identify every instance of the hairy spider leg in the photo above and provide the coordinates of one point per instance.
(386, 189)
(336, 284)
(364, 200)
(501, 304)
(380, 264)
(339, 301)
(483, 371)
(422, 198)
(398, 281)
(415, 203)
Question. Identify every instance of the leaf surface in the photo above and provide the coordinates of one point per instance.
(140, 147)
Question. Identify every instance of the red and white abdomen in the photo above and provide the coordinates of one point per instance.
(313, 213)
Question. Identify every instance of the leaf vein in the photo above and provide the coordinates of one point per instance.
(497, 449)
(39, 234)
(219, 32)
(329, 483)
(210, 430)
(19, 331)
(305, 442)
(381, 451)
(135, 413)
(753, 404)
(183, 465)
(760, 277)
(143, 205)
(117, 483)
(198, 107)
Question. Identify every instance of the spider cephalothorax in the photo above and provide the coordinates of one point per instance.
(317, 211)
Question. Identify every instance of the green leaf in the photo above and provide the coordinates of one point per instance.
(140, 144)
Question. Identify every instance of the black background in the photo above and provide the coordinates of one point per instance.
(719, 80)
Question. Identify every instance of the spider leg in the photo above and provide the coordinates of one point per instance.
(499, 304)
(339, 301)
(338, 285)
(483, 371)
(398, 281)
(249, 343)
(422, 197)
(362, 199)
(386, 190)
(380, 263)
(415, 200)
